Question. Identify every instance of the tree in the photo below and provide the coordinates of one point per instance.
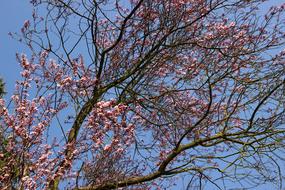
(133, 94)
(2, 89)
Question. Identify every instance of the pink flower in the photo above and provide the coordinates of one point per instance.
(107, 148)
(25, 73)
(25, 26)
(66, 81)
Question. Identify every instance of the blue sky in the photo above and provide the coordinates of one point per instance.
(13, 13)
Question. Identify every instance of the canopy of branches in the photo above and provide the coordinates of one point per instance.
(147, 94)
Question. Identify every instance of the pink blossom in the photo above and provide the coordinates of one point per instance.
(107, 148)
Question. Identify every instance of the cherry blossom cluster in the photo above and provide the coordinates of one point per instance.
(108, 127)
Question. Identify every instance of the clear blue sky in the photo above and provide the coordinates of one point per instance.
(13, 13)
